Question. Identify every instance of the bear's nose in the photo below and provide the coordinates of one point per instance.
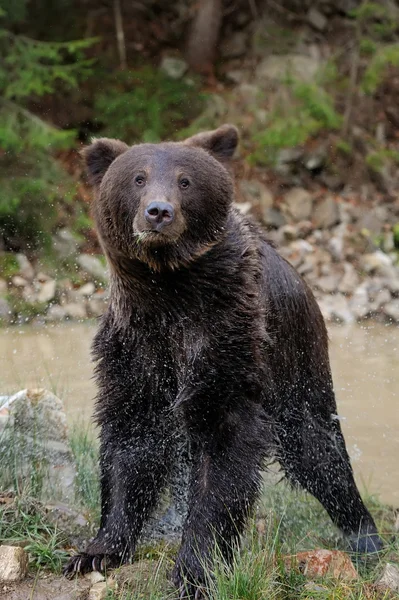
(159, 214)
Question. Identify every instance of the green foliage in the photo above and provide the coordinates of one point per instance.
(146, 105)
(384, 57)
(85, 452)
(24, 521)
(30, 193)
(32, 181)
(309, 110)
(8, 265)
(396, 235)
(378, 159)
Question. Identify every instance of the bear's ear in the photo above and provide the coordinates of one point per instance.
(98, 157)
(221, 142)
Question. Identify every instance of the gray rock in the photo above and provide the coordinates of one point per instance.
(55, 313)
(359, 303)
(273, 217)
(349, 281)
(173, 67)
(326, 213)
(234, 45)
(87, 289)
(13, 563)
(34, 435)
(390, 577)
(377, 262)
(99, 591)
(5, 310)
(278, 67)
(243, 207)
(392, 310)
(289, 155)
(298, 203)
(257, 193)
(93, 266)
(336, 308)
(248, 93)
(329, 283)
(46, 291)
(316, 19)
(65, 244)
(380, 298)
(25, 268)
(97, 304)
(74, 310)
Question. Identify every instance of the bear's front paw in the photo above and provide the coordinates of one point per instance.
(189, 578)
(86, 563)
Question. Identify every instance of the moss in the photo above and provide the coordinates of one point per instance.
(8, 265)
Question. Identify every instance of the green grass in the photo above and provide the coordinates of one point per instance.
(286, 522)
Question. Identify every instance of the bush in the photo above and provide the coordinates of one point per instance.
(146, 105)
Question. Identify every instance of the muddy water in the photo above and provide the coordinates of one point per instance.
(365, 364)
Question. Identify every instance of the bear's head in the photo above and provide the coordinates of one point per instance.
(163, 204)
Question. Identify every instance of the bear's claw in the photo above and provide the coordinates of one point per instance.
(86, 563)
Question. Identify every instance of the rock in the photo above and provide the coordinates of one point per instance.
(3, 287)
(19, 281)
(390, 578)
(336, 308)
(55, 313)
(97, 304)
(316, 160)
(298, 203)
(359, 303)
(273, 217)
(350, 279)
(94, 577)
(93, 266)
(326, 213)
(13, 563)
(376, 262)
(34, 432)
(25, 268)
(329, 283)
(173, 67)
(99, 591)
(316, 19)
(64, 243)
(74, 310)
(257, 193)
(278, 67)
(289, 155)
(234, 45)
(243, 207)
(322, 563)
(87, 289)
(380, 298)
(288, 233)
(47, 291)
(5, 310)
(392, 310)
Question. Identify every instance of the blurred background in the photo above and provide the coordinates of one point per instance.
(314, 90)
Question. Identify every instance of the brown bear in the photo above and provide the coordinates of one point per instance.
(212, 338)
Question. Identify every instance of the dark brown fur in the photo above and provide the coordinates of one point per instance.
(210, 337)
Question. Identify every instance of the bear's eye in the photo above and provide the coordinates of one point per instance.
(184, 183)
(139, 180)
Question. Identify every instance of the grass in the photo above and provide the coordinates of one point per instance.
(286, 522)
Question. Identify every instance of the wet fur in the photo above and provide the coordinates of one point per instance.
(228, 350)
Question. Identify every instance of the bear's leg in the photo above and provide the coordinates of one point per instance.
(313, 455)
(225, 481)
(135, 464)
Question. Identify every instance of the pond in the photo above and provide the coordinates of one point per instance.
(365, 365)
